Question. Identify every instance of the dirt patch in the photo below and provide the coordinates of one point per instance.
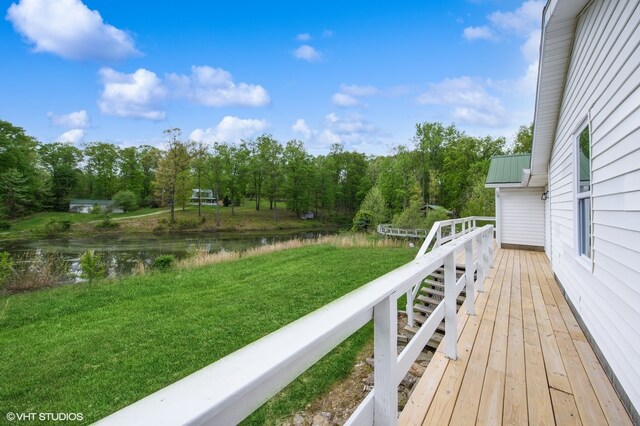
(337, 405)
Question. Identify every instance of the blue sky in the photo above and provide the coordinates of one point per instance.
(362, 73)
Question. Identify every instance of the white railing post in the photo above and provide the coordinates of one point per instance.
(439, 236)
(385, 393)
(410, 307)
(468, 271)
(480, 274)
(491, 249)
(450, 325)
(487, 249)
(474, 223)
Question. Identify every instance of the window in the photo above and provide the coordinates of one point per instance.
(583, 192)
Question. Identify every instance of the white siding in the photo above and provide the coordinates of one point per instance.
(603, 83)
(521, 216)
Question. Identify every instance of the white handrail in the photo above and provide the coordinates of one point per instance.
(230, 389)
(468, 224)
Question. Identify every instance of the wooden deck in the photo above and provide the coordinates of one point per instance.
(522, 359)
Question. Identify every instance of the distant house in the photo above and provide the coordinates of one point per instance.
(307, 215)
(86, 206)
(205, 196)
(577, 196)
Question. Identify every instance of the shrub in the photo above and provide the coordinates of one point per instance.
(164, 262)
(373, 211)
(107, 223)
(6, 268)
(149, 201)
(36, 270)
(55, 226)
(188, 223)
(4, 225)
(91, 266)
(128, 200)
(434, 216)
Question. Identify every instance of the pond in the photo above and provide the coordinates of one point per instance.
(121, 253)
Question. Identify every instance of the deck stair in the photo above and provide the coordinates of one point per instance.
(430, 295)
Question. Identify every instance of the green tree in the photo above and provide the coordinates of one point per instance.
(91, 266)
(373, 211)
(101, 167)
(218, 173)
(149, 157)
(199, 167)
(270, 152)
(296, 169)
(14, 193)
(172, 168)
(524, 140)
(62, 161)
(128, 200)
(237, 169)
(19, 162)
(131, 175)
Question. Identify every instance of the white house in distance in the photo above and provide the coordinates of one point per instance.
(578, 195)
(87, 206)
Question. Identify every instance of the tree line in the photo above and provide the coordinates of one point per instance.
(442, 165)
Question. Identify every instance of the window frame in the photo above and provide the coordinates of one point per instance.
(585, 258)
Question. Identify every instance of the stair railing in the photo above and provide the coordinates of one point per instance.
(443, 231)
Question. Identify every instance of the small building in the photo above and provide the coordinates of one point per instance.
(307, 215)
(87, 205)
(519, 209)
(205, 197)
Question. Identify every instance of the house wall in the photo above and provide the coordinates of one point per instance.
(521, 218)
(603, 87)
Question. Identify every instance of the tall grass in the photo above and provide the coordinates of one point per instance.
(351, 240)
(36, 270)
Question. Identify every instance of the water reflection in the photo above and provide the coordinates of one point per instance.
(121, 253)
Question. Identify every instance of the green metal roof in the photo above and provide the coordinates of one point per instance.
(507, 168)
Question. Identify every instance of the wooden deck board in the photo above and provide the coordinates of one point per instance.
(522, 359)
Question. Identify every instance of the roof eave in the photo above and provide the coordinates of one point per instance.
(558, 28)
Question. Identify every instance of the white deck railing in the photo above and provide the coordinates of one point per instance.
(443, 232)
(230, 389)
(392, 231)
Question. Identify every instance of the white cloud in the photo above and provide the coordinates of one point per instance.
(478, 33)
(471, 102)
(137, 95)
(355, 90)
(230, 129)
(69, 29)
(531, 48)
(307, 53)
(304, 37)
(349, 94)
(523, 20)
(301, 129)
(77, 119)
(352, 130)
(215, 87)
(343, 100)
(74, 136)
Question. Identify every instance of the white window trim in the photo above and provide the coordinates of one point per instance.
(584, 260)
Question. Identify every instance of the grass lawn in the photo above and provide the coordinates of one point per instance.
(97, 348)
(36, 221)
(246, 218)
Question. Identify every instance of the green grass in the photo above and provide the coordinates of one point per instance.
(95, 349)
(246, 218)
(36, 222)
